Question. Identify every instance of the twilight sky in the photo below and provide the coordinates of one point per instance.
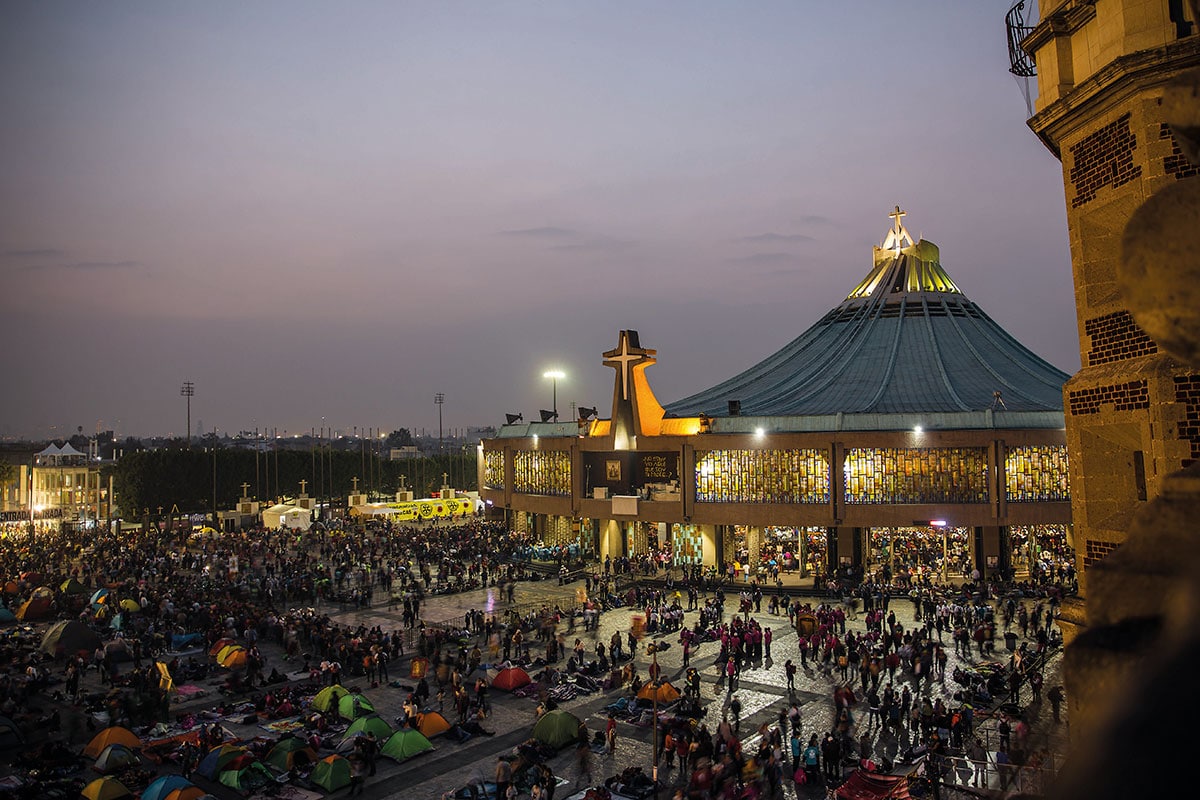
(335, 210)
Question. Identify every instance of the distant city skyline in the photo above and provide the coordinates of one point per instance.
(315, 211)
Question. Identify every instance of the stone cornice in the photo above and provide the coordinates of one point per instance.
(1061, 22)
(1111, 84)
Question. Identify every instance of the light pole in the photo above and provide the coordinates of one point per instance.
(652, 648)
(188, 390)
(438, 399)
(554, 375)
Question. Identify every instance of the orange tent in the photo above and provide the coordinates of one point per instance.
(186, 793)
(431, 724)
(112, 735)
(219, 644)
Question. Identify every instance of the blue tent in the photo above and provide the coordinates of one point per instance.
(161, 787)
(182, 640)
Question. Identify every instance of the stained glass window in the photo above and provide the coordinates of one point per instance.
(493, 469)
(687, 545)
(542, 472)
(916, 475)
(762, 476)
(1037, 473)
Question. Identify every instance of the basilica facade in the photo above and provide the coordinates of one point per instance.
(904, 432)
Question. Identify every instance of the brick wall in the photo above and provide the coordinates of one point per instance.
(1176, 163)
(1116, 337)
(1096, 551)
(1187, 391)
(1122, 396)
(1103, 158)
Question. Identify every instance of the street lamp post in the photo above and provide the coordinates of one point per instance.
(438, 400)
(652, 649)
(554, 375)
(188, 390)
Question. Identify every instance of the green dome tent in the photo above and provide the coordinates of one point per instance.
(352, 706)
(331, 773)
(373, 724)
(288, 751)
(405, 744)
(254, 775)
(557, 728)
(327, 699)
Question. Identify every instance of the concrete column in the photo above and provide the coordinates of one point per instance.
(754, 536)
(991, 541)
(711, 554)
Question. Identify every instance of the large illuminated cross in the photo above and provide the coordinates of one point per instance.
(625, 358)
(898, 235)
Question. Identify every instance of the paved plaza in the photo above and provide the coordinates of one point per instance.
(762, 691)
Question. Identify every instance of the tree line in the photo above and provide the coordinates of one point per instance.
(192, 479)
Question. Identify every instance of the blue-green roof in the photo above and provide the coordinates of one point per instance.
(905, 341)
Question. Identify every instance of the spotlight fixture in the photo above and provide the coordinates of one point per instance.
(586, 413)
(513, 419)
(547, 416)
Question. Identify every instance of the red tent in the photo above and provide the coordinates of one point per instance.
(873, 786)
(511, 678)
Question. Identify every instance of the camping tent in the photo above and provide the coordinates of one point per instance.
(105, 788)
(69, 638)
(247, 778)
(353, 706)
(873, 786)
(220, 644)
(35, 608)
(331, 773)
(405, 744)
(373, 724)
(189, 792)
(233, 656)
(511, 678)
(111, 735)
(211, 765)
(289, 751)
(6, 616)
(72, 586)
(557, 728)
(327, 699)
(115, 758)
(432, 724)
(159, 788)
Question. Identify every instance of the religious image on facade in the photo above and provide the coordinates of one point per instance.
(904, 434)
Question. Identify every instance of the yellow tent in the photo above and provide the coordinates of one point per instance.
(112, 735)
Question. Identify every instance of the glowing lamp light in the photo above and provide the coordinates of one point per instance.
(937, 523)
(759, 431)
(918, 429)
